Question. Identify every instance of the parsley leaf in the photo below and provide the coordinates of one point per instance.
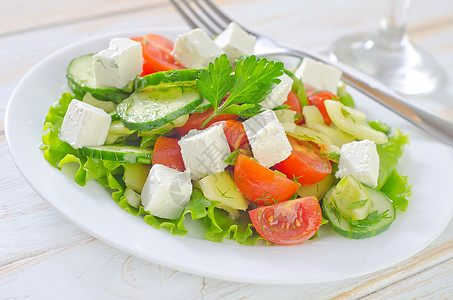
(216, 81)
(252, 80)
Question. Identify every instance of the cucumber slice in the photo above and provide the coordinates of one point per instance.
(119, 153)
(144, 111)
(185, 77)
(132, 197)
(381, 217)
(81, 80)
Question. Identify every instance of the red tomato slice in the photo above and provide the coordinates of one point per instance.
(294, 102)
(157, 54)
(196, 120)
(260, 184)
(234, 132)
(305, 163)
(288, 223)
(318, 98)
(168, 152)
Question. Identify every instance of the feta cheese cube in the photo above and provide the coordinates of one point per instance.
(279, 93)
(84, 125)
(319, 75)
(267, 138)
(195, 49)
(204, 151)
(121, 63)
(359, 159)
(166, 192)
(236, 42)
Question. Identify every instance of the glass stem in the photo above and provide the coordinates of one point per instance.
(392, 27)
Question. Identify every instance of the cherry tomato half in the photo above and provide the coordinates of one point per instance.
(260, 184)
(305, 163)
(157, 54)
(196, 120)
(288, 223)
(168, 152)
(293, 102)
(318, 98)
(234, 132)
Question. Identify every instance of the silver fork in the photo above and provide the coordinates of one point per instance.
(206, 15)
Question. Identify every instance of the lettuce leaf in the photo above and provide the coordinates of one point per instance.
(221, 226)
(398, 190)
(218, 223)
(197, 207)
(395, 186)
(389, 155)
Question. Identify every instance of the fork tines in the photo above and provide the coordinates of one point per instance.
(202, 14)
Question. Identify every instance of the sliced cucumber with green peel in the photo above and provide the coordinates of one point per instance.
(81, 80)
(185, 77)
(119, 153)
(148, 110)
(382, 214)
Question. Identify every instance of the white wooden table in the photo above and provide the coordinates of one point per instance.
(43, 256)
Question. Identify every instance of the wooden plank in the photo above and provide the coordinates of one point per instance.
(116, 274)
(433, 283)
(22, 15)
(29, 225)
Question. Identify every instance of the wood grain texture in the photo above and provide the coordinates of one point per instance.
(43, 256)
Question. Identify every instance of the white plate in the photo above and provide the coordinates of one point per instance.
(330, 257)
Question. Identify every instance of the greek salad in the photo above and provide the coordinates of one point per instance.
(248, 147)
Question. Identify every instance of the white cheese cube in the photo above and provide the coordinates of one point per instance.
(319, 75)
(204, 151)
(121, 63)
(279, 93)
(166, 192)
(84, 125)
(359, 159)
(236, 42)
(195, 49)
(258, 122)
(267, 138)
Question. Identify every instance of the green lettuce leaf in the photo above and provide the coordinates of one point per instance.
(389, 155)
(197, 208)
(395, 186)
(398, 190)
(221, 226)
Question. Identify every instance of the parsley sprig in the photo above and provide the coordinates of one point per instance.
(252, 80)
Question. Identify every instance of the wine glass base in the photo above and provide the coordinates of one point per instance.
(403, 68)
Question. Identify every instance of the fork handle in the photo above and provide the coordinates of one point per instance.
(430, 123)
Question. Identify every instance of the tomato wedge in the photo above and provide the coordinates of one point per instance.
(157, 54)
(318, 98)
(293, 102)
(234, 132)
(288, 223)
(305, 163)
(260, 184)
(168, 152)
(196, 120)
